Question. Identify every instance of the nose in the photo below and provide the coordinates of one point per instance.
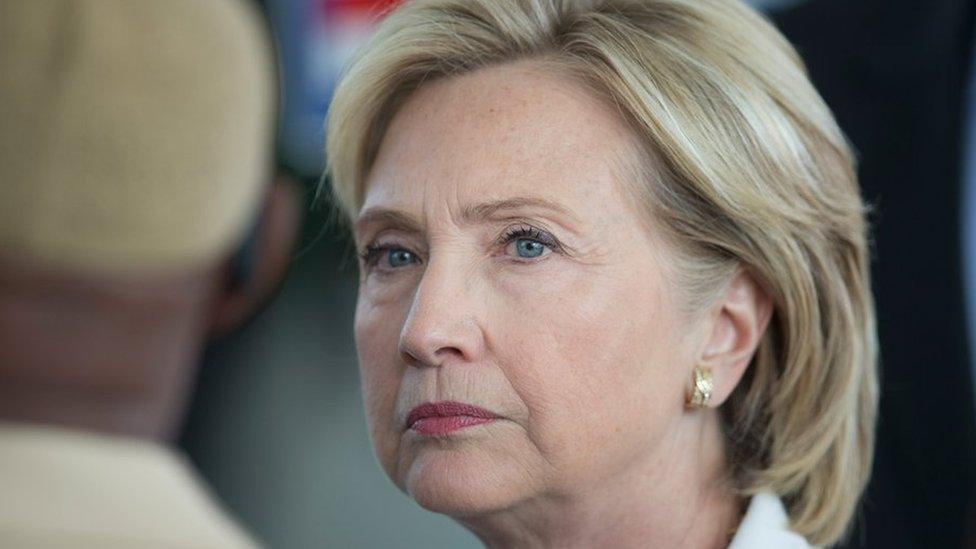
(444, 322)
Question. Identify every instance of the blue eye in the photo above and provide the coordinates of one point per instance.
(398, 257)
(529, 249)
(526, 242)
(387, 257)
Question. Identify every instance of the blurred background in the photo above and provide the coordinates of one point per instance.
(277, 424)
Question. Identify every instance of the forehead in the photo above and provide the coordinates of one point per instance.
(519, 129)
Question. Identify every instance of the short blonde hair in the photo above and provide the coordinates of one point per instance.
(745, 167)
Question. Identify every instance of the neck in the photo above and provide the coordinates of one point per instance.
(152, 416)
(679, 498)
(111, 353)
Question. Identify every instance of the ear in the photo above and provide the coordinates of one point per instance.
(270, 255)
(737, 324)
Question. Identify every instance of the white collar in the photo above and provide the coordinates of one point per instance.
(766, 526)
(63, 488)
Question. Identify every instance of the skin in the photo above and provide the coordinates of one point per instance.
(117, 353)
(581, 350)
(107, 353)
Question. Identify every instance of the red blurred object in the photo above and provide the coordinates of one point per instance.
(357, 7)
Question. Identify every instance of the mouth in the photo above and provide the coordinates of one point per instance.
(443, 418)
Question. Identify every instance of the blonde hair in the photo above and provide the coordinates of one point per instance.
(745, 167)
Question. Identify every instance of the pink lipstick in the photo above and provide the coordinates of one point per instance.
(443, 418)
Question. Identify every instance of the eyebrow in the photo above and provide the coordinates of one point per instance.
(396, 219)
(495, 207)
(393, 219)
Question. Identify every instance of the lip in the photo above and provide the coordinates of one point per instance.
(443, 418)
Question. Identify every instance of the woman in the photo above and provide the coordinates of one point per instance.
(614, 286)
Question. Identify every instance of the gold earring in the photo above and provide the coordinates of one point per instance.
(702, 387)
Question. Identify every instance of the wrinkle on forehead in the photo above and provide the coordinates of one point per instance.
(496, 133)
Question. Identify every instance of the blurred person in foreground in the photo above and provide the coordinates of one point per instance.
(135, 152)
(614, 274)
(900, 77)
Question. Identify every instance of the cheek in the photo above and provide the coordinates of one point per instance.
(599, 363)
(377, 333)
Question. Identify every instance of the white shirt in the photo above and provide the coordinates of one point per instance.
(68, 489)
(766, 526)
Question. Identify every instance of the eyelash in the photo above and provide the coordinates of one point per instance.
(372, 253)
(528, 231)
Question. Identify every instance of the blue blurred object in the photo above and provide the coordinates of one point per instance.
(315, 40)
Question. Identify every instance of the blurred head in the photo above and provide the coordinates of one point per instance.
(135, 158)
(563, 209)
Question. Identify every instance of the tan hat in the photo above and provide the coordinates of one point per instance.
(132, 134)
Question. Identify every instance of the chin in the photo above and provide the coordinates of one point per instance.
(461, 481)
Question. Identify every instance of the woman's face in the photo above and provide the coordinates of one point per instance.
(510, 280)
